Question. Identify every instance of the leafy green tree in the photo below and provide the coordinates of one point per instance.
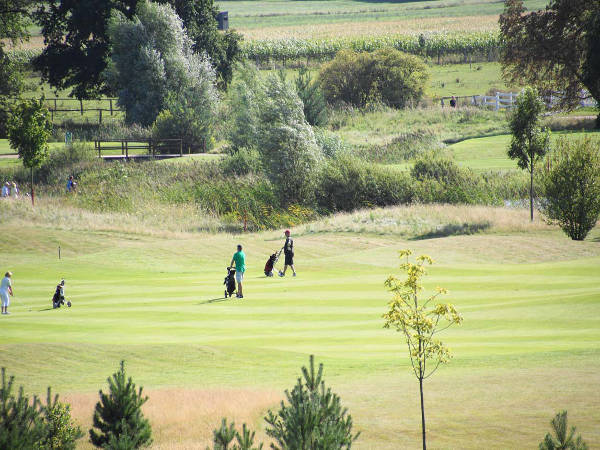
(72, 60)
(287, 143)
(247, 93)
(385, 75)
(313, 417)
(21, 419)
(62, 432)
(555, 49)
(419, 321)
(564, 438)
(315, 106)
(267, 115)
(572, 187)
(118, 419)
(153, 54)
(529, 141)
(223, 49)
(29, 129)
(190, 115)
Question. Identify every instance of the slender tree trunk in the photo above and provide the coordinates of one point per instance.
(32, 192)
(422, 413)
(531, 194)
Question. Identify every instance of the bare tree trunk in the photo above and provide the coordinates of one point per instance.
(531, 194)
(32, 192)
(422, 413)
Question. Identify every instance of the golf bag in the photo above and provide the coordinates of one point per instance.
(58, 298)
(229, 282)
(271, 263)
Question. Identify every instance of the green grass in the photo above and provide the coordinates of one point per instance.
(465, 80)
(7, 153)
(531, 303)
(490, 153)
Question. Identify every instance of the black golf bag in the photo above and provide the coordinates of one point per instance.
(58, 299)
(229, 282)
(271, 263)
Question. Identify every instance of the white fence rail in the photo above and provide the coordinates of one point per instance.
(503, 100)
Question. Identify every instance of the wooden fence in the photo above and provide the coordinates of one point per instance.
(503, 100)
(115, 149)
(80, 107)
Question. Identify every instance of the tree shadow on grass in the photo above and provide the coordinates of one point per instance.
(454, 229)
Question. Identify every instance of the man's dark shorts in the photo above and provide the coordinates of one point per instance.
(289, 259)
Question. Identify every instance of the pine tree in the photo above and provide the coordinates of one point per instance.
(313, 418)
(21, 421)
(118, 416)
(224, 435)
(564, 438)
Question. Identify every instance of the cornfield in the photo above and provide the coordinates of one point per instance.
(432, 45)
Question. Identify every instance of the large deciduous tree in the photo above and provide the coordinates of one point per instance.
(78, 44)
(153, 67)
(555, 49)
(420, 320)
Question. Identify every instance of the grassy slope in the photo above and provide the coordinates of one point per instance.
(490, 153)
(531, 304)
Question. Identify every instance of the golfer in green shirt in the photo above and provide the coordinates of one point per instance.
(239, 258)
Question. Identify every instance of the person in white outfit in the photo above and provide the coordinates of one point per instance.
(5, 290)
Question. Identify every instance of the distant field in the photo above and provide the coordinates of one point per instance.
(260, 19)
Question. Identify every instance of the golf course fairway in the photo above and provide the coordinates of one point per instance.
(528, 348)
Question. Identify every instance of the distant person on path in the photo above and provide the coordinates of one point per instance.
(6, 189)
(288, 251)
(71, 184)
(239, 258)
(5, 290)
(453, 102)
(14, 192)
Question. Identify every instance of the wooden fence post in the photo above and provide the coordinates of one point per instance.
(111, 108)
(81, 106)
(99, 115)
(497, 101)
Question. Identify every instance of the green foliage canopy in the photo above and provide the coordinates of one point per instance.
(572, 187)
(29, 129)
(152, 61)
(72, 60)
(385, 75)
(555, 49)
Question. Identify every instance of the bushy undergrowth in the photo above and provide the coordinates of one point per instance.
(91, 131)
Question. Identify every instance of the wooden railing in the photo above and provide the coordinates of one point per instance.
(130, 148)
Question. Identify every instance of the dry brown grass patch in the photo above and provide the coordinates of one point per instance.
(185, 418)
